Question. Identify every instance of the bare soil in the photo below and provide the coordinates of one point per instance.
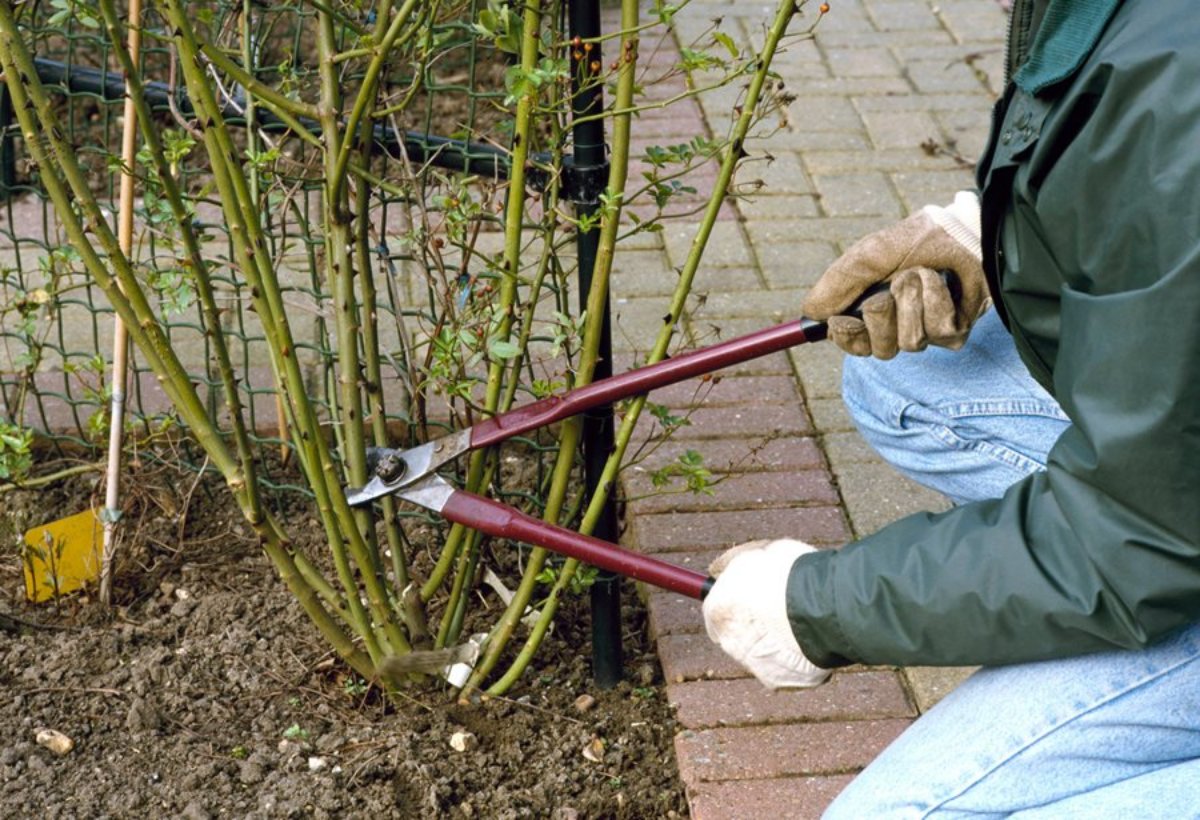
(207, 693)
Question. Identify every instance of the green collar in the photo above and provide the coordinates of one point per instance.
(1066, 37)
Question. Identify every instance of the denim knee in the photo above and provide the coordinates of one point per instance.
(1090, 736)
(871, 399)
(960, 423)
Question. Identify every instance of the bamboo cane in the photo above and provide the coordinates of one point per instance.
(120, 364)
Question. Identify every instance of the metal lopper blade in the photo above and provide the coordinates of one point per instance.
(396, 469)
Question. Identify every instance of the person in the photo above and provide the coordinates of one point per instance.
(1057, 403)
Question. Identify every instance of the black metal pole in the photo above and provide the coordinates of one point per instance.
(590, 156)
(8, 156)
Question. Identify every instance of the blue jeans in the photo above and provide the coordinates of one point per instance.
(1108, 735)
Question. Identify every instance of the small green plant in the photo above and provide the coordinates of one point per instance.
(67, 10)
(49, 554)
(16, 457)
(690, 467)
(355, 687)
(498, 23)
(520, 82)
(579, 582)
(30, 309)
(295, 732)
(239, 753)
(669, 421)
(89, 375)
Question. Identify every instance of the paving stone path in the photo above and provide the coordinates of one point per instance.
(892, 105)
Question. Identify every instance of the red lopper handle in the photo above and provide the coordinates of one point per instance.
(644, 379)
(669, 371)
(497, 519)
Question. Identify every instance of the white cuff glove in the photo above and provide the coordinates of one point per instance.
(745, 613)
(961, 220)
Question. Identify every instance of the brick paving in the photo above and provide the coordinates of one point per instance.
(891, 97)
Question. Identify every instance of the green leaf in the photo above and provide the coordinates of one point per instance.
(15, 457)
(727, 41)
(665, 417)
(295, 732)
(694, 60)
(501, 349)
(664, 11)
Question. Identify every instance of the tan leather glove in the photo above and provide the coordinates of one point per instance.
(919, 309)
(745, 613)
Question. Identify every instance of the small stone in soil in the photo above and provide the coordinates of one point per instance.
(584, 702)
(463, 740)
(55, 741)
(594, 751)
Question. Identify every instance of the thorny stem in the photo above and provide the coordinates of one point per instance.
(340, 272)
(466, 562)
(638, 29)
(51, 478)
(366, 95)
(732, 156)
(37, 120)
(251, 250)
(612, 202)
(691, 93)
(450, 625)
(280, 103)
(414, 617)
(250, 51)
(513, 224)
(515, 208)
(198, 267)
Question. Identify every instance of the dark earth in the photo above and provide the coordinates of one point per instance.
(207, 693)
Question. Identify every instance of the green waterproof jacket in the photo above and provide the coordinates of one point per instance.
(1091, 212)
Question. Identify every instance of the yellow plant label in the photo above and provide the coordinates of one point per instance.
(62, 556)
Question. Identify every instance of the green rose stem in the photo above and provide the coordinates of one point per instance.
(513, 226)
(67, 187)
(411, 610)
(611, 203)
(731, 157)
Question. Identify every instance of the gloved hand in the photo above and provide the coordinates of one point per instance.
(919, 310)
(745, 613)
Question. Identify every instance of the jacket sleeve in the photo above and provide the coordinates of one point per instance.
(1102, 549)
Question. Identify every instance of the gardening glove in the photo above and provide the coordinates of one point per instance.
(745, 613)
(919, 308)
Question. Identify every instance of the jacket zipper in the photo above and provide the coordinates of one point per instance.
(1020, 19)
